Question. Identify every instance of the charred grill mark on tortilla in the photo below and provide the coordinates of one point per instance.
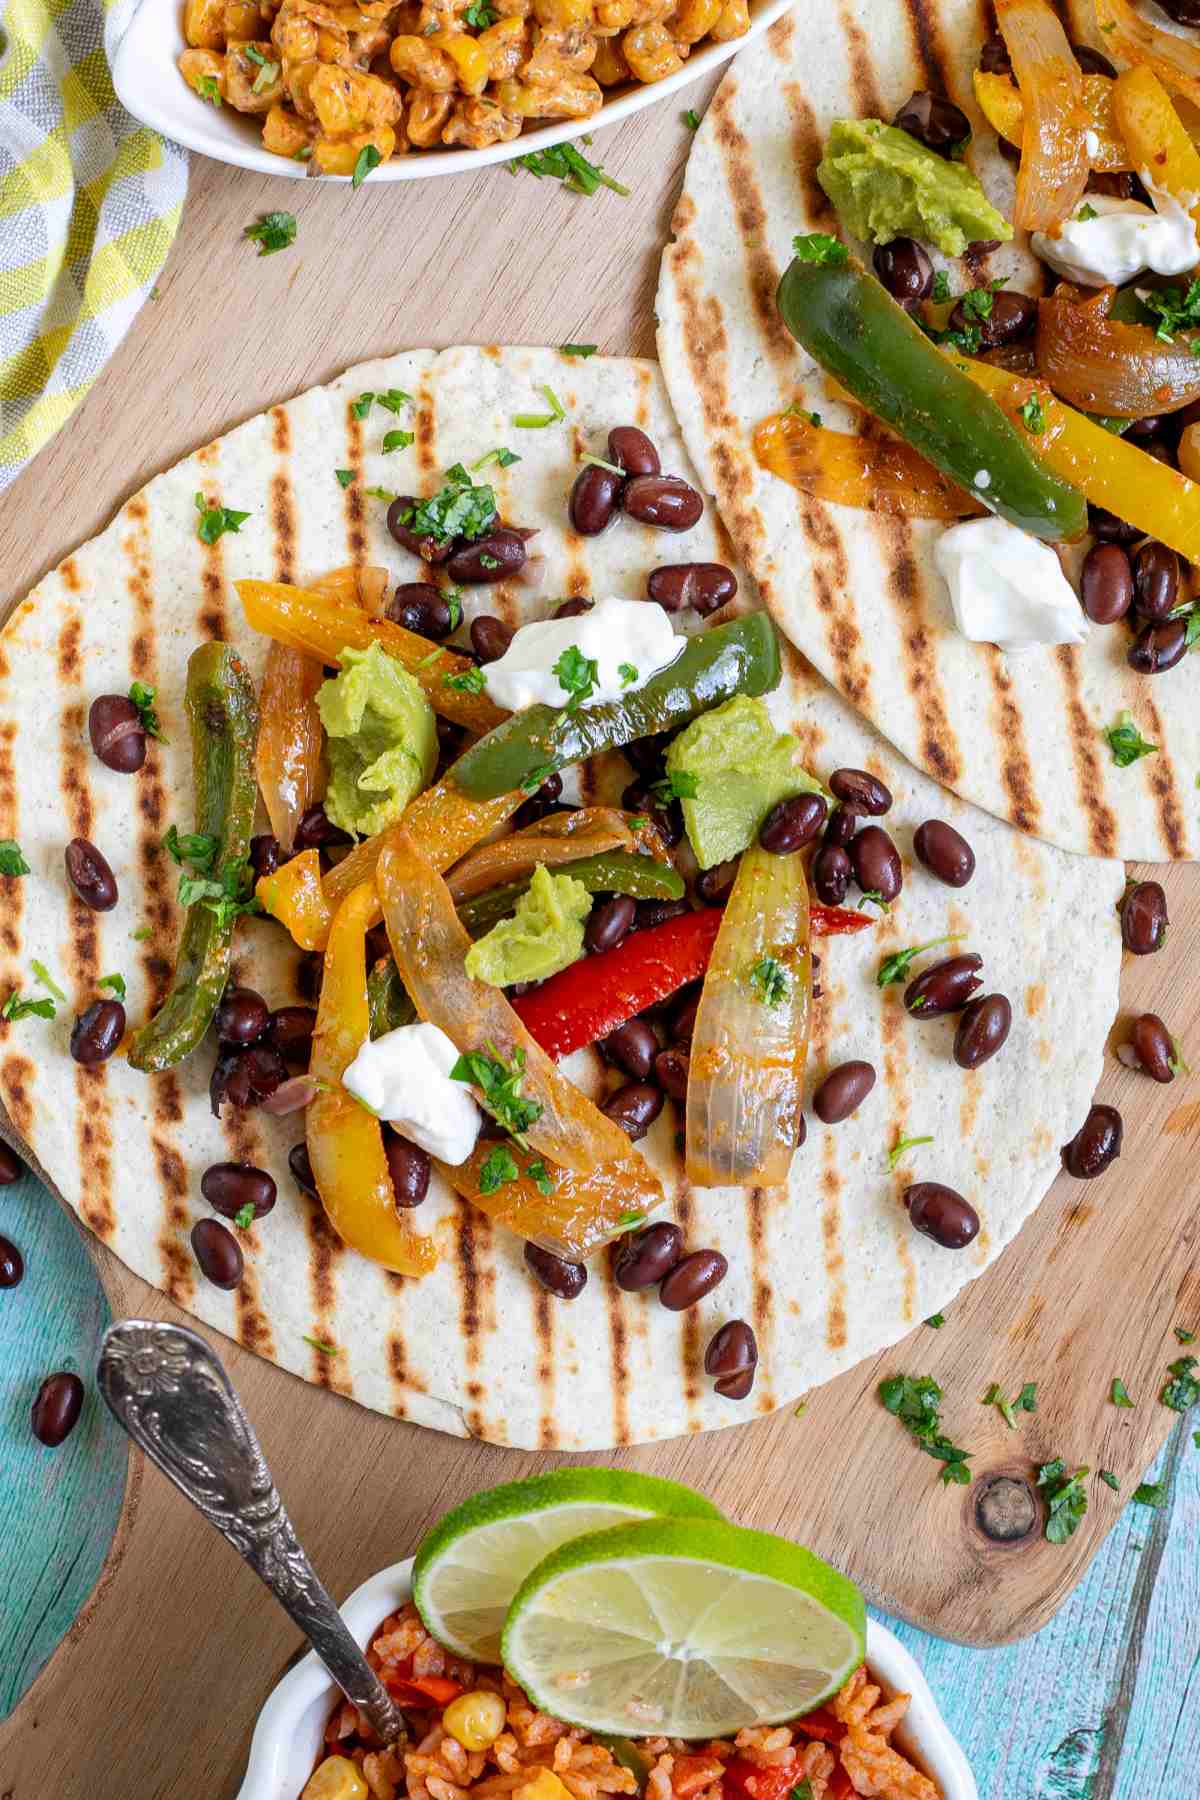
(894, 1038)
(211, 617)
(779, 37)
(16, 1081)
(1160, 779)
(325, 1251)
(644, 377)
(763, 1294)
(356, 535)
(470, 1316)
(1085, 745)
(543, 1334)
(397, 1362)
(868, 101)
(808, 147)
(618, 1341)
(178, 1277)
(762, 274)
(69, 571)
(425, 437)
(283, 524)
(1016, 770)
(11, 894)
(939, 748)
(281, 431)
(831, 1242)
(831, 582)
(968, 1109)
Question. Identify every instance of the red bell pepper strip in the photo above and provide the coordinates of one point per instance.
(421, 1691)
(595, 995)
(822, 1724)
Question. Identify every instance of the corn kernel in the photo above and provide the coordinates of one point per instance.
(610, 67)
(650, 52)
(469, 56)
(733, 21)
(201, 69)
(694, 19)
(545, 1785)
(475, 1720)
(283, 132)
(427, 113)
(204, 24)
(563, 12)
(415, 60)
(340, 157)
(241, 21)
(504, 43)
(336, 1779)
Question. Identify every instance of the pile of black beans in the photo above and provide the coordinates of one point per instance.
(498, 553)
(635, 485)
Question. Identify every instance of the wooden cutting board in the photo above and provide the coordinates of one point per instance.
(1090, 1290)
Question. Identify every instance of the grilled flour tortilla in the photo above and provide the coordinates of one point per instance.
(827, 1271)
(857, 591)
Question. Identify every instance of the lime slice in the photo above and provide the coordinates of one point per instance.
(474, 1560)
(689, 1628)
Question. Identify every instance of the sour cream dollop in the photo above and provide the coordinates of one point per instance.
(1125, 238)
(404, 1077)
(629, 641)
(1006, 587)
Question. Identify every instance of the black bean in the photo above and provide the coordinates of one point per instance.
(702, 586)
(994, 58)
(634, 1107)
(862, 791)
(242, 1016)
(496, 557)
(218, 1253)
(423, 608)
(301, 1168)
(714, 886)
(1096, 1144)
(317, 831)
(117, 734)
(732, 1357)
(667, 820)
(843, 1091)
(565, 1280)
(1155, 1047)
(1012, 316)
(246, 1076)
(792, 823)
(941, 1214)
(573, 609)
(1106, 583)
(905, 270)
(630, 447)
(632, 1048)
(666, 501)
(1184, 12)
(490, 637)
(97, 1032)
(90, 876)
(841, 826)
(657, 912)
(944, 987)
(609, 922)
(647, 1256)
(1158, 647)
(692, 1278)
(1092, 62)
(595, 499)
(1109, 529)
(934, 121)
(831, 874)
(427, 548)
(290, 1032)
(646, 754)
(1155, 424)
(56, 1408)
(266, 854)
(11, 1166)
(876, 863)
(982, 1030)
(1144, 918)
(681, 1018)
(1155, 579)
(671, 1072)
(230, 1186)
(409, 1166)
(944, 852)
(539, 804)
(12, 1264)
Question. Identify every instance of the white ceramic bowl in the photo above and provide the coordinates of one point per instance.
(291, 1725)
(150, 86)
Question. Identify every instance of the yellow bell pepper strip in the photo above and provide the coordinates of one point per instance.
(430, 945)
(879, 473)
(750, 1043)
(345, 1141)
(1174, 59)
(578, 1215)
(295, 896)
(1053, 170)
(323, 627)
(1104, 365)
(290, 739)
(1157, 139)
(1105, 468)
(1000, 102)
(560, 838)
(359, 584)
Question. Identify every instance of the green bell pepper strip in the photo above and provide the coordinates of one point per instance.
(850, 324)
(738, 658)
(610, 872)
(388, 1003)
(223, 717)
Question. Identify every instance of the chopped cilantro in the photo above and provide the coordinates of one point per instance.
(579, 349)
(196, 847)
(598, 462)
(362, 406)
(1109, 1480)
(691, 119)
(322, 1346)
(230, 895)
(901, 1145)
(381, 493)
(11, 860)
(1175, 308)
(796, 411)
(895, 967)
(344, 477)
(499, 1169)
(628, 674)
(143, 698)
(488, 562)
(47, 981)
(538, 421)
(115, 984)
(914, 1401)
(453, 599)
(15, 1008)
(1119, 1394)
(935, 1321)
(394, 399)
(568, 165)
(1033, 415)
(368, 158)
(216, 520)
(819, 247)
(1183, 1390)
(460, 508)
(639, 822)
(499, 1085)
(1150, 1493)
(243, 1218)
(1184, 1336)
(769, 980)
(576, 675)
(941, 287)
(539, 1174)
(628, 1220)
(537, 775)
(873, 897)
(504, 459)
(1025, 1401)
(1065, 1497)
(680, 784)
(397, 440)
(142, 934)
(272, 231)
(1126, 741)
(801, 1791)
(208, 90)
(267, 71)
(469, 681)
(480, 15)
(1085, 213)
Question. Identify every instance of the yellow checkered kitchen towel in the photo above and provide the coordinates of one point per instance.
(89, 204)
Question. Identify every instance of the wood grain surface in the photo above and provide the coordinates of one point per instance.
(164, 1685)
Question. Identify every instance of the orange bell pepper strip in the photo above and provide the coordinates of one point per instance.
(323, 626)
(579, 1214)
(294, 895)
(1106, 469)
(345, 1141)
(879, 473)
(1001, 104)
(1173, 58)
(1158, 141)
(1053, 169)
(359, 584)
(291, 739)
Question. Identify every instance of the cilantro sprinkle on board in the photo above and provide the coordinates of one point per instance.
(1065, 1497)
(914, 1400)
(579, 349)
(563, 162)
(272, 231)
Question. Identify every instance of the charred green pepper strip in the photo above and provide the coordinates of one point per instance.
(851, 325)
(739, 658)
(223, 717)
(388, 1003)
(610, 872)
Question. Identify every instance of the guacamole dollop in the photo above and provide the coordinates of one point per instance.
(544, 935)
(885, 185)
(739, 767)
(382, 740)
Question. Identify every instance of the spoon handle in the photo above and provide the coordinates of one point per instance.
(169, 1391)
